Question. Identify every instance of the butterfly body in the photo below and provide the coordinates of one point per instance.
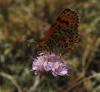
(63, 33)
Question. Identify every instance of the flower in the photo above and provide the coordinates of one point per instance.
(49, 63)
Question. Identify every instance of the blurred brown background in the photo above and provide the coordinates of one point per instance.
(22, 20)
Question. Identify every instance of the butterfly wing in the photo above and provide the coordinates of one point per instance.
(64, 31)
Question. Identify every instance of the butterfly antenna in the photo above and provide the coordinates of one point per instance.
(31, 57)
(31, 42)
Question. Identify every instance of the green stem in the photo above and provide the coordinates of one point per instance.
(48, 84)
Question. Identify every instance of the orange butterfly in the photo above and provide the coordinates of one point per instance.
(63, 33)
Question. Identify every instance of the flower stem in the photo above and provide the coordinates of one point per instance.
(48, 84)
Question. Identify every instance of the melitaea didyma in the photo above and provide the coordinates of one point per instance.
(63, 33)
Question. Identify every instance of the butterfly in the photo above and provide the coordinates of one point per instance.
(62, 34)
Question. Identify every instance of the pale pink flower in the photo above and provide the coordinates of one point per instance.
(50, 64)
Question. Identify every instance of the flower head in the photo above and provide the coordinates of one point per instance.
(49, 64)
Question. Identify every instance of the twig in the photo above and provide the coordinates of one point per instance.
(12, 80)
(92, 53)
(85, 79)
(86, 52)
(36, 83)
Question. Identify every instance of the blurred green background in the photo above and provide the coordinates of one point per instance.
(22, 20)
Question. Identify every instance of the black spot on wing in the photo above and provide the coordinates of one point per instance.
(66, 22)
(58, 18)
(68, 10)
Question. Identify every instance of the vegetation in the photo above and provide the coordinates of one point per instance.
(22, 20)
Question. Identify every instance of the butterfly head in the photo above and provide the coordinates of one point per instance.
(41, 46)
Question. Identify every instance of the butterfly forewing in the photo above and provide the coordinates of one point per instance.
(63, 33)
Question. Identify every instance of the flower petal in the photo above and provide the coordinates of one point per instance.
(49, 63)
